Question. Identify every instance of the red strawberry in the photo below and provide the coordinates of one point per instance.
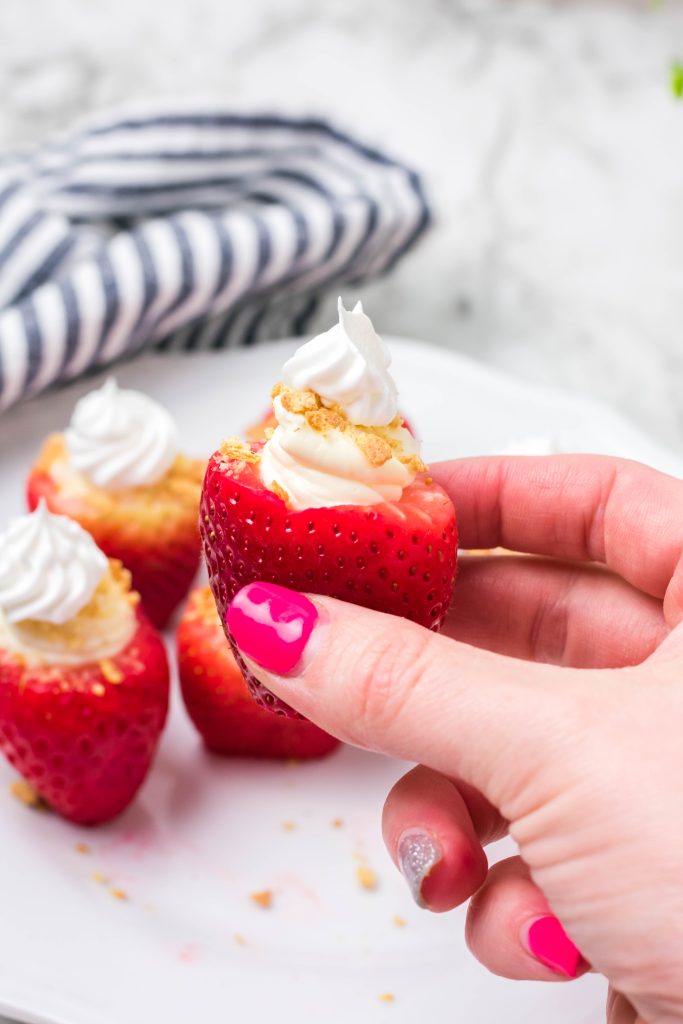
(84, 736)
(396, 557)
(218, 701)
(152, 530)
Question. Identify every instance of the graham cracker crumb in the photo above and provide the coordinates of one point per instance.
(120, 895)
(288, 826)
(98, 690)
(376, 450)
(111, 672)
(299, 402)
(277, 389)
(326, 419)
(82, 848)
(99, 877)
(387, 997)
(280, 491)
(337, 823)
(414, 463)
(398, 921)
(233, 448)
(429, 480)
(239, 939)
(25, 793)
(268, 432)
(366, 877)
(263, 899)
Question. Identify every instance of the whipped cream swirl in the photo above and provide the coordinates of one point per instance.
(49, 568)
(119, 438)
(349, 366)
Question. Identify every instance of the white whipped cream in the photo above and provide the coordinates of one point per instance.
(347, 366)
(49, 568)
(119, 438)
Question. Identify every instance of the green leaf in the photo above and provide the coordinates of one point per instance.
(676, 79)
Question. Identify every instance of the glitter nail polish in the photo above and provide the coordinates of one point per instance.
(418, 852)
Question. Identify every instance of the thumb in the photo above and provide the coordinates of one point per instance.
(387, 684)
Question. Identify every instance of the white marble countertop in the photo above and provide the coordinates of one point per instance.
(549, 140)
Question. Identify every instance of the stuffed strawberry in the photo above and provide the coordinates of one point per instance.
(337, 501)
(218, 701)
(116, 470)
(84, 680)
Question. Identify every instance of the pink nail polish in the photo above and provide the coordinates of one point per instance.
(548, 942)
(271, 625)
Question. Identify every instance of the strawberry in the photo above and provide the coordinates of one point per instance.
(218, 700)
(152, 530)
(397, 557)
(84, 736)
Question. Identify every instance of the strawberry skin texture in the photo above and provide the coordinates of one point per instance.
(85, 736)
(218, 700)
(162, 557)
(396, 557)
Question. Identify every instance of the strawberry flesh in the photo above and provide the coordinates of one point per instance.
(396, 557)
(218, 700)
(85, 736)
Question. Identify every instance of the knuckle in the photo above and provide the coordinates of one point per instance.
(390, 671)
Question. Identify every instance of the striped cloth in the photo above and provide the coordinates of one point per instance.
(185, 230)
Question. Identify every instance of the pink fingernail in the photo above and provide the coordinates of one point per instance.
(547, 940)
(271, 625)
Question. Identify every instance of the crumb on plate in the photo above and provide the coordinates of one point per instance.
(119, 894)
(24, 792)
(398, 921)
(366, 877)
(387, 997)
(82, 848)
(99, 877)
(263, 899)
(337, 823)
(288, 826)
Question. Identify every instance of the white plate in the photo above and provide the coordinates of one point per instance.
(205, 832)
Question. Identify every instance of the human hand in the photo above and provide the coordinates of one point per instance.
(521, 723)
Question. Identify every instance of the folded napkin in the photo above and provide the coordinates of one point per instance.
(185, 230)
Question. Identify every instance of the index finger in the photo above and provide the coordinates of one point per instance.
(582, 507)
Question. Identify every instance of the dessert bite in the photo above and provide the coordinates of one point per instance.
(337, 501)
(218, 700)
(84, 679)
(117, 471)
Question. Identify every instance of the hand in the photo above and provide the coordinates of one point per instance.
(520, 722)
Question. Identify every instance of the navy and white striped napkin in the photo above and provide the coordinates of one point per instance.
(185, 230)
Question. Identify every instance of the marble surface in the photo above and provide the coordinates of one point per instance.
(550, 144)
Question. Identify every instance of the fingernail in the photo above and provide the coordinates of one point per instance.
(547, 940)
(271, 625)
(417, 852)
